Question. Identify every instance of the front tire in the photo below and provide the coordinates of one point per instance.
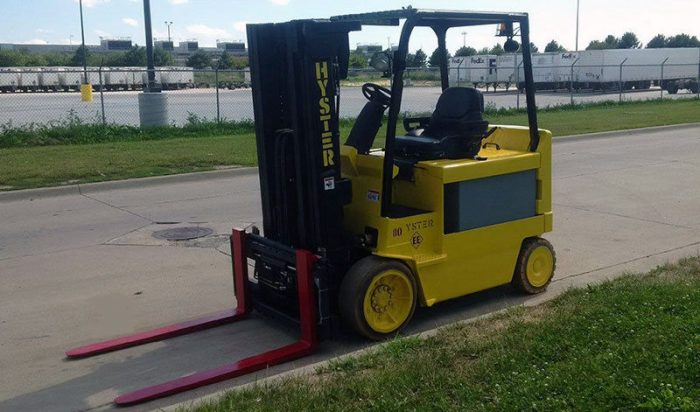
(535, 266)
(378, 297)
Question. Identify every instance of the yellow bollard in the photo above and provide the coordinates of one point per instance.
(86, 92)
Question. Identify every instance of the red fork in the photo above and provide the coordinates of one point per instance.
(305, 346)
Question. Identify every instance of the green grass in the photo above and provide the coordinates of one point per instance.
(72, 130)
(51, 165)
(632, 344)
(74, 152)
(606, 116)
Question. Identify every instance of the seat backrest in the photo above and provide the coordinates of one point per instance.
(458, 110)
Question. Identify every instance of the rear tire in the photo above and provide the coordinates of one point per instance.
(378, 297)
(535, 266)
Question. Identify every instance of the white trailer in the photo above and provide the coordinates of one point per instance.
(10, 79)
(564, 64)
(144, 75)
(49, 79)
(479, 70)
(637, 68)
(507, 66)
(70, 78)
(543, 66)
(456, 74)
(29, 79)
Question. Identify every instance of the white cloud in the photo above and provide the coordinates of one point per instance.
(35, 41)
(280, 2)
(130, 22)
(92, 3)
(239, 26)
(178, 2)
(206, 32)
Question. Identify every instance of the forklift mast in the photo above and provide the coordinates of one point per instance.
(296, 68)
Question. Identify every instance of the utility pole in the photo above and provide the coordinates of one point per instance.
(577, 19)
(85, 87)
(464, 39)
(168, 23)
(149, 45)
(153, 105)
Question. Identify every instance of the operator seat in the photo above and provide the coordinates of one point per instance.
(454, 131)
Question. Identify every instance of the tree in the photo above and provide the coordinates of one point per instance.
(658, 42)
(240, 62)
(77, 59)
(465, 51)
(10, 58)
(683, 40)
(610, 42)
(485, 50)
(596, 45)
(420, 58)
(629, 40)
(224, 62)
(553, 46)
(533, 48)
(57, 59)
(162, 57)
(199, 60)
(358, 60)
(35, 60)
(497, 50)
(434, 60)
(136, 56)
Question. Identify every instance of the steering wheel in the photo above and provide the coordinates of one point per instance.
(376, 93)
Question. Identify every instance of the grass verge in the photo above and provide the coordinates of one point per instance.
(73, 152)
(628, 344)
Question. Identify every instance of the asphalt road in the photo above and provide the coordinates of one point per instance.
(81, 267)
(122, 107)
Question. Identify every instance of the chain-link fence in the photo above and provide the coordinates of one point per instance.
(51, 96)
(576, 83)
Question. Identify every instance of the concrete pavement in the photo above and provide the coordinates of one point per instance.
(83, 266)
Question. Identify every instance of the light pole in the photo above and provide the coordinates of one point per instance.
(85, 87)
(168, 23)
(464, 39)
(577, 18)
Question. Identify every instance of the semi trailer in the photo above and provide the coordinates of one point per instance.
(600, 70)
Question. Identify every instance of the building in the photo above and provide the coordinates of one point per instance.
(181, 52)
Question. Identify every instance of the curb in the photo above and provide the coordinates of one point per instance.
(625, 132)
(30, 194)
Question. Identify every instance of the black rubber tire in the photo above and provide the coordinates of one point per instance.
(353, 289)
(520, 280)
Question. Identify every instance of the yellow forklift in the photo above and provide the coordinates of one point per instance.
(358, 235)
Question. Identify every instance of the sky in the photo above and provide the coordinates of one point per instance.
(58, 21)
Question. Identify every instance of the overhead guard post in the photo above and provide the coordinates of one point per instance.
(529, 84)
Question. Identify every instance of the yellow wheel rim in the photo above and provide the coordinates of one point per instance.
(540, 265)
(388, 301)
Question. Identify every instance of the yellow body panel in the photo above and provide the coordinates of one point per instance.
(450, 265)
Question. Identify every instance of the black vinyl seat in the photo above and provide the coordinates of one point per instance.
(454, 131)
